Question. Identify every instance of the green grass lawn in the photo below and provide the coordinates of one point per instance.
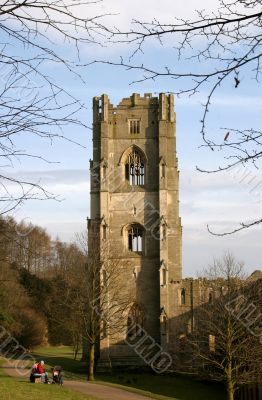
(62, 355)
(18, 389)
(173, 387)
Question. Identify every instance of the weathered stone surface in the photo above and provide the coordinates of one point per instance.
(145, 125)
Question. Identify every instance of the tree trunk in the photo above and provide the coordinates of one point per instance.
(91, 366)
(230, 389)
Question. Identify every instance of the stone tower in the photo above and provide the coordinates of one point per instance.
(135, 202)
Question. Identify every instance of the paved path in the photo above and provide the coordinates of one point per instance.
(101, 392)
(104, 392)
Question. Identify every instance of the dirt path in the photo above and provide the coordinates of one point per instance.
(99, 391)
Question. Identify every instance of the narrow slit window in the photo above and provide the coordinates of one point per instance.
(104, 171)
(104, 232)
(183, 296)
(163, 171)
(103, 277)
(164, 276)
(163, 232)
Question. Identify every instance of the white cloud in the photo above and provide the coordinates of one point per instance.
(222, 202)
(147, 10)
(203, 199)
(225, 100)
(218, 199)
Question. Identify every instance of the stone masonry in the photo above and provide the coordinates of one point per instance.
(135, 201)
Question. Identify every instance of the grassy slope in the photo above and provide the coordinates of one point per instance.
(62, 355)
(171, 386)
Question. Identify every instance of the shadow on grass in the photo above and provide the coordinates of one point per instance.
(172, 386)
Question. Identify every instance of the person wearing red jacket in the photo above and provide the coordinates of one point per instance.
(41, 370)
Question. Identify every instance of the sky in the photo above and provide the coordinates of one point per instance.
(220, 201)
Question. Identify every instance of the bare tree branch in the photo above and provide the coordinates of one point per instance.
(210, 51)
(32, 102)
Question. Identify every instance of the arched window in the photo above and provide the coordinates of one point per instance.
(163, 275)
(163, 170)
(135, 169)
(135, 238)
(162, 167)
(104, 166)
(183, 296)
(163, 321)
(135, 321)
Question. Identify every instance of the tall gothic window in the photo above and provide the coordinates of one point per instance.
(135, 169)
(135, 321)
(135, 239)
(183, 296)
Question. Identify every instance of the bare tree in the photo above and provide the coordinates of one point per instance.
(223, 345)
(25, 245)
(36, 38)
(96, 298)
(211, 50)
(108, 298)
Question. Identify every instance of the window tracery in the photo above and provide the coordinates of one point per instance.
(135, 169)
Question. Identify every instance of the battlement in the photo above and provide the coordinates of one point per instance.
(136, 100)
(164, 103)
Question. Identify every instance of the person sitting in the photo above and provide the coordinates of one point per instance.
(41, 370)
(34, 372)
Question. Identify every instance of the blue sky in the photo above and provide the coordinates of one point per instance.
(220, 200)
